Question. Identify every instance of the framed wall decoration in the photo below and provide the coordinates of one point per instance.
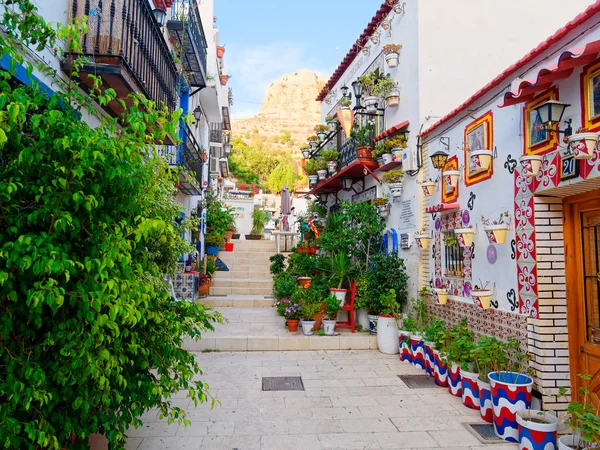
(449, 193)
(590, 97)
(538, 141)
(479, 136)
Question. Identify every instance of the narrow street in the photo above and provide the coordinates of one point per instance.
(351, 400)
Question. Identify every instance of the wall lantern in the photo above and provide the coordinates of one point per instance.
(347, 183)
(227, 149)
(551, 112)
(357, 87)
(197, 114)
(305, 153)
(439, 159)
(160, 15)
(344, 90)
(323, 196)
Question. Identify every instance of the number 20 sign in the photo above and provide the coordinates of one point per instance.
(569, 167)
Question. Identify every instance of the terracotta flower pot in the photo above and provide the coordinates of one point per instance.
(224, 79)
(293, 325)
(220, 51)
(364, 154)
(304, 282)
(204, 289)
(318, 317)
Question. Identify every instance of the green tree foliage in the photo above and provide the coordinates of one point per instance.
(282, 174)
(90, 338)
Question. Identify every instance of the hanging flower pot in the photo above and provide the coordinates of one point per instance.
(496, 234)
(220, 51)
(397, 154)
(405, 348)
(322, 174)
(393, 99)
(392, 59)
(452, 177)
(332, 167)
(480, 161)
(371, 103)
(454, 381)
(423, 240)
(428, 188)
(465, 236)
(416, 344)
(321, 135)
(485, 401)
(385, 24)
(441, 295)
(387, 158)
(375, 38)
(396, 189)
(383, 210)
(470, 390)
(511, 392)
(531, 165)
(482, 297)
(440, 370)
(365, 154)
(583, 144)
(332, 124)
(537, 429)
(313, 179)
(380, 161)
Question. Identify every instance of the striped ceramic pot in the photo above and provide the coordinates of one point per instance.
(534, 435)
(485, 401)
(429, 362)
(418, 351)
(440, 370)
(405, 347)
(470, 390)
(511, 392)
(454, 383)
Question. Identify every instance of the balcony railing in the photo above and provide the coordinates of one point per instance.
(186, 26)
(123, 34)
(191, 156)
(216, 133)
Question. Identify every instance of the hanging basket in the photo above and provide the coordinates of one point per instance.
(531, 165)
(496, 234)
(441, 296)
(480, 161)
(428, 189)
(423, 240)
(465, 236)
(583, 144)
(397, 154)
(396, 189)
(482, 298)
(370, 103)
(452, 177)
(384, 210)
(392, 60)
(393, 99)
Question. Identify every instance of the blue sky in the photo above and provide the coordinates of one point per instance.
(266, 39)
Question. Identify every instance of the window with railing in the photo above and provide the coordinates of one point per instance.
(453, 257)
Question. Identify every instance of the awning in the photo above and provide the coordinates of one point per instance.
(442, 207)
(355, 170)
(402, 126)
(563, 68)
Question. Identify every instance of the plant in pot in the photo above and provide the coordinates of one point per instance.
(511, 386)
(345, 103)
(303, 266)
(440, 293)
(369, 83)
(277, 264)
(387, 328)
(213, 242)
(311, 167)
(387, 88)
(482, 295)
(423, 239)
(331, 156)
(362, 302)
(203, 285)
(394, 179)
(332, 308)
(292, 314)
(382, 153)
(332, 122)
(308, 309)
(496, 229)
(338, 267)
(364, 140)
(397, 144)
(464, 358)
(430, 333)
(465, 235)
(406, 328)
(488, 354)
(420, 315)
(382, 205)
(259, 220)
(392, 54)
(584, 420)
(583, 143)
(457, 351)
(321, 131)
(321, 168)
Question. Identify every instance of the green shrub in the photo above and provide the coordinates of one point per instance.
(277, 264)
(284, 285)
(387, 272)
(214, 240)
(301, 265)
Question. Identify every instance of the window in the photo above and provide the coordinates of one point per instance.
(454, 265)
(537, 141)
(590, 96)
(595, 103)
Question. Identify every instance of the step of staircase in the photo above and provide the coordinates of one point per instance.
(262, 329)
(252, 283)
(239, 301)
(227, 290)
(245, 273)
(254, 245)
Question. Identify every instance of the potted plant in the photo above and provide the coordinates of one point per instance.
(220, 51)
(422, 239)
(362, 303)
(392, 54)
(224, 79)
(382, 205)
(259, 220)
(303, 266)
(332, 308)
(394, 179)
(213, 242)
(417, 343)
(584, 421)
(364, 138)
(397, 144)
(451, 177)
(310, 167)
(488, 354)
(339, 267)
(480, 161)
(204, 284)
(321, 169)
(345, 103)
(537, 429)
(313, 141)
(284, 285)
(457, 350)
(277, 264)
(430, 333)
(292, 316)
(465, 235)
(387, 88)
(331, 156)
(511, 388)
(440, 368)
(531, 165)
(387, 330)
(481, 295)
(428, 187)
(308, 309)
(496, 229)
(368, 83)
(404, 332)
(332, 122)
(321, 131)
(462, 355)
(583, 143)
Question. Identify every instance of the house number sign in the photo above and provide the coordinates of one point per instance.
(569, 167)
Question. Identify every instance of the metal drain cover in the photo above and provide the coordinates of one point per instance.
(282, 384)
(484, 432)
(417, 381)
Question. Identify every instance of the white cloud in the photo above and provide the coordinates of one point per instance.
(254, 68)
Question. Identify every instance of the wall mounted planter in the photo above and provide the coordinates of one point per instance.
(583, 144)
(531, 165)
(370, 103)
(452, 177)
(423, 240)
(313, 179)
(393, 99)
(496, 234)
(482, 297)
(332, 167)
(392, 60)
(322, 174)
(428, 189)
(384, 210)
(441, 295)
(511, 392)
(387, 158)
(397, 153)
(396, 189)
(464, 236)
(480, 161)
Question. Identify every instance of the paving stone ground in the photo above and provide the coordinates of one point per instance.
(352, 400)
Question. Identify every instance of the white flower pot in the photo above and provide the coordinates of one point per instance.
(313, 179)
(452, 177)
(396, 189)
(329, 327)
(392, 60)
(423, 240)
(531, 165)
(332, 124)
(428, 189)
(568, 442)
(482, 298)
(480, 161)
(340, 294)
(496, 234)
(464, 236)
(441, 295)
(393, 99)
(380, 161)
(387, 158)
(308, 327)
(373, 318)
(322, 174)
(332, 167)
(387, 335)
(534, 434)
(371, 103)
(397, 154)
(362, 317)
(583, 144)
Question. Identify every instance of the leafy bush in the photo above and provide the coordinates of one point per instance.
(214, 240)
(301, 265)
(387, 272)
(284, 285)
(277, 264)
(259, 220)
(332, 307)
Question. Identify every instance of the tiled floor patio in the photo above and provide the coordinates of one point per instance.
(352, 400)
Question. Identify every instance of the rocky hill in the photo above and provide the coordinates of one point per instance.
(288, 114)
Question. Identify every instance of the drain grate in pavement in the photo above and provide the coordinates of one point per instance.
(269, 297)
(417, 381)
(282, 384)
(484, 431)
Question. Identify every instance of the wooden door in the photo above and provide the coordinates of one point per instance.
(582, 251)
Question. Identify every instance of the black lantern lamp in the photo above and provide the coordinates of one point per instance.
(347, 183)
(305, 153)
(197, 113)
(160, 15)
(227, 149)
(550, 114)
(357, 88)
(439, 159)
(344, 90)
(323, 196)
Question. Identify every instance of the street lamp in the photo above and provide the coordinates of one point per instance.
(305, 153)
(197, 113)
(551, 112)
(160, 15)
(439, 159)
(357, 87)
(344, 90)
(347, 183)
(227, 149)
(323, 196)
